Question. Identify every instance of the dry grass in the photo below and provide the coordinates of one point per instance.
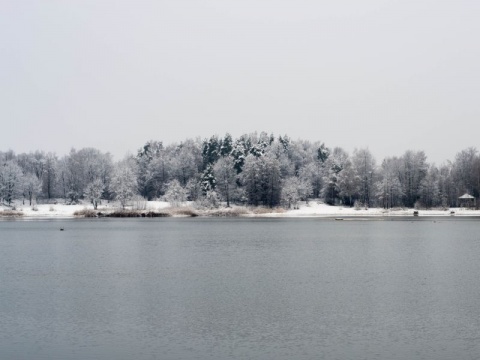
(124, 213)
(136, 213)
(228, 212)
(260, 210)
(235, 211)
(88, 213)
(182, 211)
(10, 213)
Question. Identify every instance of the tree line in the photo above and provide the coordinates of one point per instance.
(254, 169)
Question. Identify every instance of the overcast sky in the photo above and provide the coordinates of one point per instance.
(384, 74)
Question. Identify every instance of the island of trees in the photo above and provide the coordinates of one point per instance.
(254, 169)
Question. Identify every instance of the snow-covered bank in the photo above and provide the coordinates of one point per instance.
(312, 209)
(61, 210)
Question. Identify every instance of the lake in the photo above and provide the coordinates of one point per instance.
(203, 288)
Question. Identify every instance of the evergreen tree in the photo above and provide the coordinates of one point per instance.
(227, 145)
(239, 154)
(208, 180)
(211, 151)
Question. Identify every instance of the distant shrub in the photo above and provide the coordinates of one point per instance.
(72, 198)
(85, 213)
(136, 213)
(228, 212)
(210, 200)
(8, 212)
(182, 211)
(263, 210)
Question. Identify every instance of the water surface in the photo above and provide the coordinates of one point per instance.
(240, 289)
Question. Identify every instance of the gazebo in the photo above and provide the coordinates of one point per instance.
(467, 200)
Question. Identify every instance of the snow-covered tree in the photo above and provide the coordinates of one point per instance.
(294, 190)
(347, 184)
(312, 172)
(81, 168)
(364, 166)
(186, 160)
(209, 200)
(49, 178)
(239, 153)
(31, 187)
(429, 189)
(176, 194)
(225, 176)
(211, 151)
(194, 189)
(413, 169)
(466, 172)
(124, 182)
(261, 178)
(226, 145)
(277, 151)
(333, 165)
(299, 152)
(323, 153)
(209, 183)
(448, 192)
(94, 191)
(388, 189)
(268, 163)
(290, 196)
(285, 142)
(11, 181)
(146, 155)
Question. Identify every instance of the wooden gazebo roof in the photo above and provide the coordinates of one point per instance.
(467, 200)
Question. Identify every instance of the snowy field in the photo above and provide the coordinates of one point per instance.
(61, 210)
(312, 209)
(318, 210)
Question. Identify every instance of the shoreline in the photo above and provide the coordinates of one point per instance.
(163, 209)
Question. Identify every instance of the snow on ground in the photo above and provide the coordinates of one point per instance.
(316, 209)
(62, 210)
(312, 209)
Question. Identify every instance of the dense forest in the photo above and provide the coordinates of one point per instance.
(254, 169)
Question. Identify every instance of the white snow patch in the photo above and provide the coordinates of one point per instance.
(312, 209)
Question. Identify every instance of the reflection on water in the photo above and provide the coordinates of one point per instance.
(240, 288)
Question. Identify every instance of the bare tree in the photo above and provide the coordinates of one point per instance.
(225, 176)
(32, 186)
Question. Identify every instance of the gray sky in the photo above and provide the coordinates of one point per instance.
(390, 75)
